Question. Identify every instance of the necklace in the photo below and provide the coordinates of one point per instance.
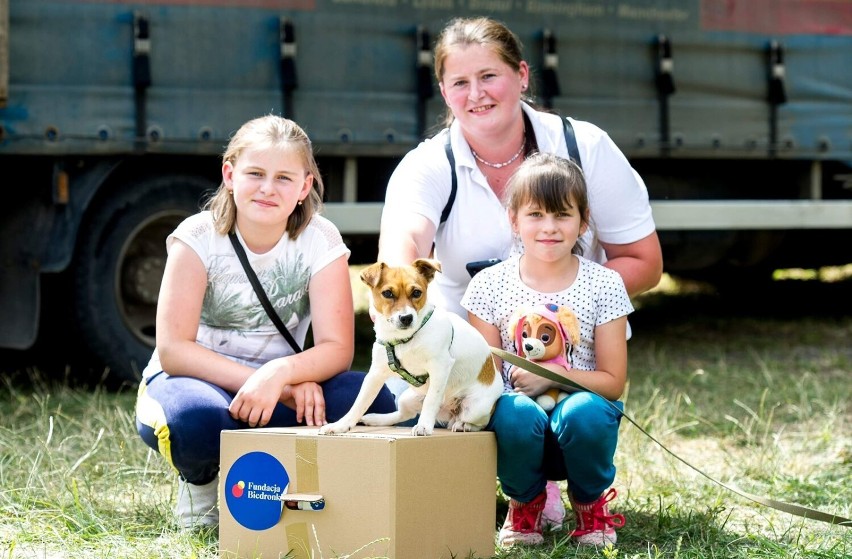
(505, 163)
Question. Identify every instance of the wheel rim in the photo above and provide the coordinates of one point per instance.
(139, 272)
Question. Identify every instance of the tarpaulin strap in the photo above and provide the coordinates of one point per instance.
(790, 508)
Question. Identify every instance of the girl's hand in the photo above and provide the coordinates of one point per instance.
(257, 398)
(528, 383)
(308, 401)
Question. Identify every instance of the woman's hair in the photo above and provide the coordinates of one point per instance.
(551, 182)
(269, 132)
(483, 31)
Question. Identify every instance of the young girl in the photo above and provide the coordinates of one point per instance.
(547, 205)
(220, 363)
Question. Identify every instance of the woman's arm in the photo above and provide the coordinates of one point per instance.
(640, 263)
(333, 325)
(178, 317)
(610, 376)
(402, 242)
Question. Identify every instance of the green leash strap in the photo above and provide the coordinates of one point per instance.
(790, 508)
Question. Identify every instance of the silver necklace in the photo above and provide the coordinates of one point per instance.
(505, 163)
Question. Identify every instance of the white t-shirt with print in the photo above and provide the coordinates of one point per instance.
(478, 227)
(596, 296)
(233, 322)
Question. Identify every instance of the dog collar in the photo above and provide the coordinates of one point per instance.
(394, 364)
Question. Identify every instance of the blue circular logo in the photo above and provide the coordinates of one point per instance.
(253, 489)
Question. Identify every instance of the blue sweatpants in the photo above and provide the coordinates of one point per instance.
(575, 442)
(182, 417)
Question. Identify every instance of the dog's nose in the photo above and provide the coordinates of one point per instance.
(406, 319)
(528, 347)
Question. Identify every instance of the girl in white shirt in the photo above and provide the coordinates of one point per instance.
(548, 210)
(220, 362)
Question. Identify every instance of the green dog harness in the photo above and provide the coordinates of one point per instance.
(394, 364)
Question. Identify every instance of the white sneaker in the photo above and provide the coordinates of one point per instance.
(553, 515)
(523, 523)
(595, 525)
(197, 505)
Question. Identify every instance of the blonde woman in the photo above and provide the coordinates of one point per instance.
(220, 362)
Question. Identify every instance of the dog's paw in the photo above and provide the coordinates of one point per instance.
(336, 428)
(461, 426)
(422, 430)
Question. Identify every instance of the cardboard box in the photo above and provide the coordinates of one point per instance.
(373, 492)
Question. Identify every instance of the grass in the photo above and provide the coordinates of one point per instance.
(752, 390)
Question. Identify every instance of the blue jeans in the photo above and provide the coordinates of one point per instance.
(182, 417)
(575, 442)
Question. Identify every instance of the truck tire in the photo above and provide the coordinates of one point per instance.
(121, 254)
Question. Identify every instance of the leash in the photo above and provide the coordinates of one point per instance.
(789, 508)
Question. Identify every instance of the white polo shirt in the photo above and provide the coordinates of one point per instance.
(478, 227)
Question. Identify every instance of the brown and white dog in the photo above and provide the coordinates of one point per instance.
(446, 361)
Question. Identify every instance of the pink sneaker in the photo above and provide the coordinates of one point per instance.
(523, 523)
(595, 525)
(554, 509)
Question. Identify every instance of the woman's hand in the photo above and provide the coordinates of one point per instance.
(256, 399)
(528, 383)
(308, 401)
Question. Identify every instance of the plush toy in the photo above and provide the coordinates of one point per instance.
(546, 334)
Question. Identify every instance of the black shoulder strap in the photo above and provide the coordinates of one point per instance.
(570, 143)
(261, 294)
(448, 149)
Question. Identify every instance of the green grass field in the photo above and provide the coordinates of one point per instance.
(753, 390)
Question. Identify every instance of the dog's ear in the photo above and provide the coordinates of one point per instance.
(372, 274)
(570, 323)
(427, 267)
(516, 325)
(513, 322)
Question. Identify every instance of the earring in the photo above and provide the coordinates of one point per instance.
(231, 192)
(299, 203)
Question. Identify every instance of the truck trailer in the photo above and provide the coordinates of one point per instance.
(114, 115)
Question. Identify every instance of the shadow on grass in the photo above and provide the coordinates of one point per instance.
(666, 533)
(781, 299)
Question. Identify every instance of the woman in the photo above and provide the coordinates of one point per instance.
(492, 129)
(220, 363)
